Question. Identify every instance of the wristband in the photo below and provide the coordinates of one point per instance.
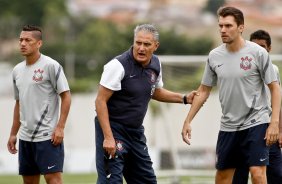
(184, 100)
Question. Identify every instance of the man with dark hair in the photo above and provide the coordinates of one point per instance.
(241, 69)
(39, 84)
(274, 169)
(128, 83)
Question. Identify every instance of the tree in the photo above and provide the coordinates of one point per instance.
(14, 14)
(213, 5)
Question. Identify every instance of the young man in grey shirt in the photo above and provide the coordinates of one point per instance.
(241, 69)
(39, 85)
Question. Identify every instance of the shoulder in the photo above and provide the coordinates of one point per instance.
(221, 49)
(155, 58)
(156, 61)
(253, 47)
(122, 58)
(19, 66)
(114, 63)
(49, 61)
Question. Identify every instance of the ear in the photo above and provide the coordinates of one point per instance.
(157, 45)
(269, 48)
(241, 28)
(39, 43)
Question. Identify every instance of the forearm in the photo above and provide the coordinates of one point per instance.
(275, 104)
(164, 95)
(103, 117)
(280, 121)
(16, 120)
(65, 107)
(196, 105)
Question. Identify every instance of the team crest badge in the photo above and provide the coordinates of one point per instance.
(119, 145)
(38, 75)
(246, 63)
(153, 77)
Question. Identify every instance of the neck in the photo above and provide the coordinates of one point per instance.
(236, 45)
(32, 58)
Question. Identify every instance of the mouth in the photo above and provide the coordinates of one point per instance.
(23, 49)
(224, 36)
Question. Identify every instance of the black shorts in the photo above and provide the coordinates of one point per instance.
(245, 147)
(132, 160)
(40, 157)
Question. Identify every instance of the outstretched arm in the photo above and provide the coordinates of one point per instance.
(14, 130)
(198, 102)
(164, 95)
(102, 98)
(58, 134)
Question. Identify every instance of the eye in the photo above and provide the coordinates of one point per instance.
(138, 43)
(147, 44)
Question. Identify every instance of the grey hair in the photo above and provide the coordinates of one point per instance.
(147, 28)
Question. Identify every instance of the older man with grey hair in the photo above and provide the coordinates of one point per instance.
(127, 84)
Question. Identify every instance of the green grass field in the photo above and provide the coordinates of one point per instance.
(68, 179)
(91, 179)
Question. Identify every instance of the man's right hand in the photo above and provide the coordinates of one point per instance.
(109, 146)
(186, 132)
(12, 144)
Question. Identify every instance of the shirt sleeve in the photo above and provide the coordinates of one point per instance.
(209, 76)
(58, 78)
(112, 75)
(265, 66)
(277, 74)
(16, 90)
(159, 83)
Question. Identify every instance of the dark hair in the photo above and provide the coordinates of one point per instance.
(37, 32)
(261, 35)
(231, 11)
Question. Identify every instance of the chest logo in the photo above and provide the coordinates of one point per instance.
(246, 63)
(38, 75)
(119, 145)
(153, 77)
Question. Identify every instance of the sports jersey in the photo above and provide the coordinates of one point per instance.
(37, 87)
(133, 87)
(278, 79)
(241, 77)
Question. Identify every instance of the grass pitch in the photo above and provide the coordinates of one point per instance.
(91, 179)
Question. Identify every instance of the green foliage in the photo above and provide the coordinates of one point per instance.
(172, 43)
(14, 14)
(213, 5)
(184, 78)
(82, 85)
(89, 42)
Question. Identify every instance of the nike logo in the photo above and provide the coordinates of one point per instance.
(262, 159)
(219, 65)
(132, 76)
(50, 167)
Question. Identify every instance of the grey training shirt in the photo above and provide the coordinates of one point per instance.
(241, 77)
(37, 87)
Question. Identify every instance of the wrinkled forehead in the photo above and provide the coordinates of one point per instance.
(144, 35)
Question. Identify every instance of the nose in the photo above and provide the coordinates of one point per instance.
(222, 29)
(22, 43)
